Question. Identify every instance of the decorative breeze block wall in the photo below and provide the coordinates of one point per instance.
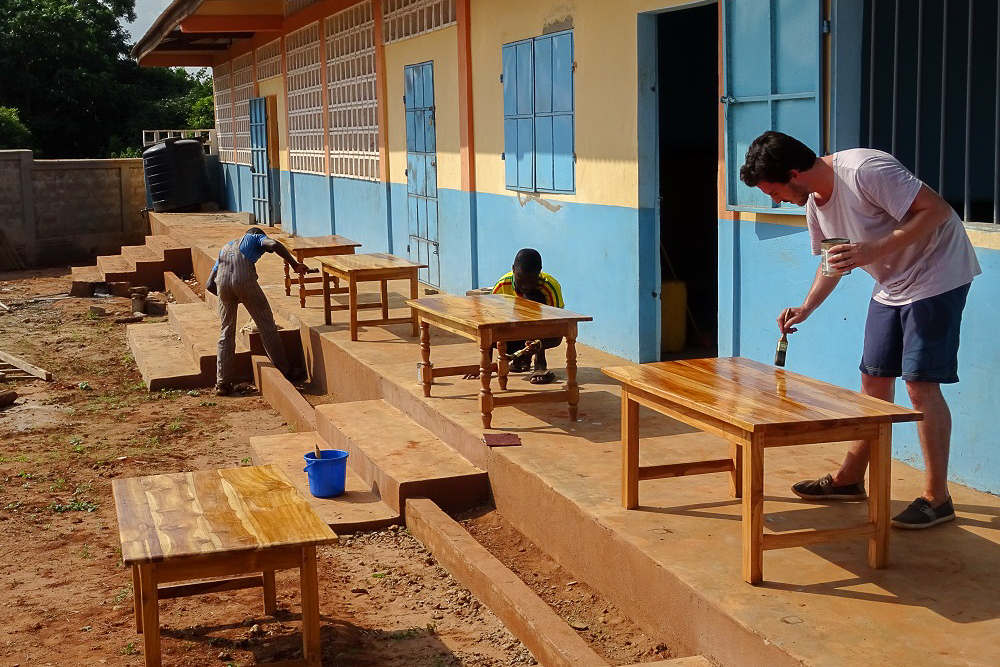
(351, 91)
(223, 112)
(269, 60)
(305, 101)
(242, 92)
(409, 18)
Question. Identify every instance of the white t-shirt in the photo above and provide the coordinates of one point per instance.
(872, 194)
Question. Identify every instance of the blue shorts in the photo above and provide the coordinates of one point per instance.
(918, 341)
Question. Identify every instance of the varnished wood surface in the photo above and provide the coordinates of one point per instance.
(753, 396)
(480, 311)
(232, 510)
(368, 262)
(331, 242)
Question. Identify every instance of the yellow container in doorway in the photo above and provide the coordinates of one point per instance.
(673, 307)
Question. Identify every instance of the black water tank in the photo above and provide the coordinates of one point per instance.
(176, 174)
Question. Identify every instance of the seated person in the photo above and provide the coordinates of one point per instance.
(526, 279)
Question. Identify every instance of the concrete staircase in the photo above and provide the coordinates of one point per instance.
(181, 352)
(136, 265)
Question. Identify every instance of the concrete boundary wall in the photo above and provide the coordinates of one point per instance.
(69, 211)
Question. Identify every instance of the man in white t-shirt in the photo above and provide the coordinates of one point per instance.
(915, 247)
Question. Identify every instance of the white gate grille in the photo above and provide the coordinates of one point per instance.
(269, 60)
(242, 92)
(350, 56)
(223, 112)
(305, 101)
(409, 18)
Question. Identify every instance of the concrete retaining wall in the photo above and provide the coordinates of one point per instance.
(69, 211)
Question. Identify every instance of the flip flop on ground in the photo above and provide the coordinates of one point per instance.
(542, 377)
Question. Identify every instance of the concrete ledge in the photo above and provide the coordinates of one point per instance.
(551, 641)
(694, 661)
(282, 395)
(180, 289)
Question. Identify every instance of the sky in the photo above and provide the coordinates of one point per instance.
(146, 12)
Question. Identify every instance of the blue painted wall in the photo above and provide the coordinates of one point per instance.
(765, 267)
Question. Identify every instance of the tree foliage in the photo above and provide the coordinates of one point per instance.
(13, 133)
(64, 64)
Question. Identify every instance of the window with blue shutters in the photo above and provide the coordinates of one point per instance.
(538, 114)
(772, 82)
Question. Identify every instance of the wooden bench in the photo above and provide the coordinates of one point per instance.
(218, 523)
(754, 406)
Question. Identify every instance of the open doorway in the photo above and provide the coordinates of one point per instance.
(688, 77)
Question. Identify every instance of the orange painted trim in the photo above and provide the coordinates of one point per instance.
(466, 127)
(381, 93)
(324, 96)
(155, 59)
(233, 23)
(721, 180)
(316, 12)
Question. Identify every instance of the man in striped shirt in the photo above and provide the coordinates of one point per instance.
(526, 279)
(234, 281)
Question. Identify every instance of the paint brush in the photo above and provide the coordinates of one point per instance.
(780, 350)
(317, 451)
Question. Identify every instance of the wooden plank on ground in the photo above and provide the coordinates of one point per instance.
(25, 366)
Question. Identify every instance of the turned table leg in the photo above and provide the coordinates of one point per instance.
(485, 373)
(502, 366)
(352, 300)
(571, 385)
(288, 280)
(414, 293)
(326, 298)
(426, 373)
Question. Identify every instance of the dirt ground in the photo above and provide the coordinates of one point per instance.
(67, 600)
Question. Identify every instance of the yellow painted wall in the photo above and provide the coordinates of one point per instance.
(441, 47)
(273, 86)
(605, 81)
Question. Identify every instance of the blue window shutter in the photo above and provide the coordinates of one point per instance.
(563, 169)
(518, 110)
(772, 51)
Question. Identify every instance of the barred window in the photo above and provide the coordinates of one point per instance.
(351, 91)
(223, 112)
(269, 60)
(305, 101)
(242, 92)
(931, 96)
(409, 18)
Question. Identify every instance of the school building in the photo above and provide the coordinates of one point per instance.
(609, 136)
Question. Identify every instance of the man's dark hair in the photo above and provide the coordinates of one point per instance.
(528, 260)
(256, 230)
(772, 155)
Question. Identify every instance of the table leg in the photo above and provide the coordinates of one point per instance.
(571, 385)
(753, 509)
(136, 599)
(879, 481)
(485, 373)
(426, 376)
(302, 285)
(326, 297)
(150, 614)
(270, 594)
(414, 293)
(502, 367)
(352, 299)
(630, 452)
(288, 280)
(736, 476)
(385, 298)
(309, 582)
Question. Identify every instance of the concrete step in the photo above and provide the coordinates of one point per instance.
(149, 266)
(180, 290)
(399, 458)
(175, 254)
(360, 508)
(163, 360)
(85, 279)
(115, 268)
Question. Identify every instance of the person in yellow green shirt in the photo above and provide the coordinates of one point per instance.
(526, 279)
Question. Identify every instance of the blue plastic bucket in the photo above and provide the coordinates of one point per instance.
(327, 475)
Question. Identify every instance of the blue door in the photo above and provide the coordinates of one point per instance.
(421, 170)
(260, 169)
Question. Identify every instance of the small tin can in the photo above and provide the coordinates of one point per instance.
(825, 246)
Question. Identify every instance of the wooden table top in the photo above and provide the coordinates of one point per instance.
(213, 511)
(314, 242)
(484, 310)
(368, 262)
(751, 395)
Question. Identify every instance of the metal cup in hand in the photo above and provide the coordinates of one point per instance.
(825, 246)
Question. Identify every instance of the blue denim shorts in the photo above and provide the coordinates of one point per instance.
(918, 341)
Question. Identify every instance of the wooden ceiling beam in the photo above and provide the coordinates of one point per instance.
(155, 59)
(232, 23)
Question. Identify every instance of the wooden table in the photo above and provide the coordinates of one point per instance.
(372, 267)
(754, 406)
(302, 247)
(218, 523)
(495, 319)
